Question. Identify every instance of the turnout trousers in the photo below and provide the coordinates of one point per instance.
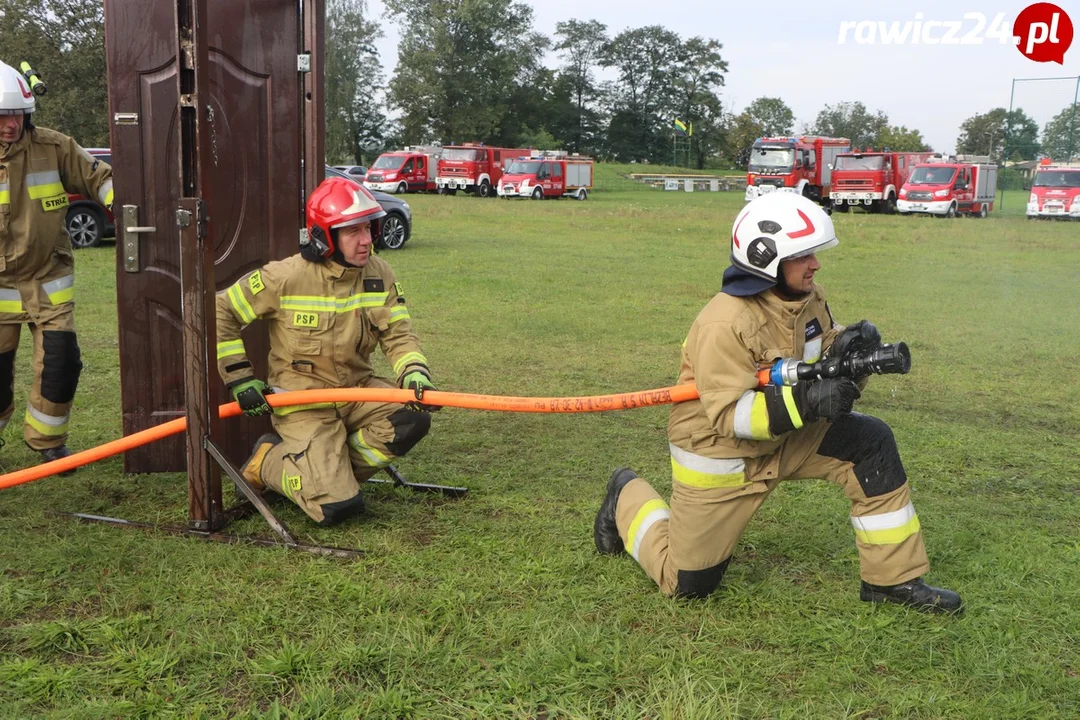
(328, 451)
(685, 546)
(57, 366)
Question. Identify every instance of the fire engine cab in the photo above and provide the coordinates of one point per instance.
(410, 170)
(1055, 192)
(800, 165)
(950, 185)
(548, 174)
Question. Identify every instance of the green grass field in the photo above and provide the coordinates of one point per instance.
(497, 605)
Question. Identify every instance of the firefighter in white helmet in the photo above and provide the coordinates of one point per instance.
(327, 308)
(732, 446)
(38, 167)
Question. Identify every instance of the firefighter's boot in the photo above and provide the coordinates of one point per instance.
(252, 469)
(605, 531)
(915, 594)
(57, 453)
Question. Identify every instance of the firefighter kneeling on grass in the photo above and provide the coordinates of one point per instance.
(732, 446)
(37, 269)
(328, 307)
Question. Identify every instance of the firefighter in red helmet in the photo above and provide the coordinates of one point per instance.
(328, 308)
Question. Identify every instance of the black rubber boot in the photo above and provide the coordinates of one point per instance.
(251, 470)
(605, 531)
(57, 453)
(915, 594)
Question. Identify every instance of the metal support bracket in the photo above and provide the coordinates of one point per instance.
(398, 480)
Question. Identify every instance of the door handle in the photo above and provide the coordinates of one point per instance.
(132, 228)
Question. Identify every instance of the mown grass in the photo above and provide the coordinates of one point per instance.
(497, 605)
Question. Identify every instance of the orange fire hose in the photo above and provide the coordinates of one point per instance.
(595, 403)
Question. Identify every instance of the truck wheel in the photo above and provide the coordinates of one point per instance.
(889, 208)
(840, 207)
(582, 194)
(484, 190)
(537, 194)
(951, 212)
(402, 188)
(982, 211)
(447, 191)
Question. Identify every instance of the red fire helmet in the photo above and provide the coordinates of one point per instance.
(338, 203)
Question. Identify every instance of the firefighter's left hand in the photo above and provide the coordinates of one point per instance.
(859, 336)
(418, 382)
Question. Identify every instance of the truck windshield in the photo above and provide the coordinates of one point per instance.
(866, 162)
(388, 162)
(461, 154)
(1057, 178)
(932, 176)
(523, 167)
(771, 159)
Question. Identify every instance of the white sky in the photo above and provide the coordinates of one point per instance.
(791, 50)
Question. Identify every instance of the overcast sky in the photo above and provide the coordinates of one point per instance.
(792, 51)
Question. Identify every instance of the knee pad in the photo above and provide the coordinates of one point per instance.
(699, 584)
(335, 512)
(868, 443)
(7, 379)
(410, 427)
(61, 365)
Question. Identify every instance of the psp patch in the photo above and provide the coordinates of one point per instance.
(56, 202)
(255, 282)
(305, 319)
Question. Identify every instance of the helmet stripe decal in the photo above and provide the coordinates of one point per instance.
(808, 230)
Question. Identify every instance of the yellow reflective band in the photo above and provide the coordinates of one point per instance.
(371, 456)
(240, 304)
(655, 505)
(759, 418)
(11, 302)
(698, 479)
(228, 348)
(322, 303)
(412, 357)
(60, 290)
(46, 424)
(44, 184)
(105, 192)
(108, 198)
(399, 313)
(889, 536)
(789, 402)
(5, 197)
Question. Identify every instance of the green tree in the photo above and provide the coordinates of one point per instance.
(64, 40)
(853, 121)
(697, 77)
(771, 115)
(990, 132)
(354, 116)
(459, 63)
(1061, 136)
(579, 43)
(899, 139)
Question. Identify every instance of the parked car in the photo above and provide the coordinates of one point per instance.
(356, 172)
(89, 222)
(396, 226)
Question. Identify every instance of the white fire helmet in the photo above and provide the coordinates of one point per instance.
(776, 227)
(15, 95)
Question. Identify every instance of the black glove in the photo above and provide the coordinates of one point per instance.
(418, 382)
(854, 338)
(252, 397)
(828, 398)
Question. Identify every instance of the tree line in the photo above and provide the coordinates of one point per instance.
(474, 70)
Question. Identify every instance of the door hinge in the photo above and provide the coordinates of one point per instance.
(303, 62)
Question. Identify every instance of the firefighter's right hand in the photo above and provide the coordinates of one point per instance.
(828, 398)
(252, 397)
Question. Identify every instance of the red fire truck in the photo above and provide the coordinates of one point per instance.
(872, 178)
(950, 185)
(548, 174)
(793, 164)
(474, 168)
(1055, 191)
(410, 170)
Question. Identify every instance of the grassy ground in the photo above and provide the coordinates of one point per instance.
(497, 605)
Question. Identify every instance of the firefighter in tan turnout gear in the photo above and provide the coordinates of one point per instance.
(732, 446)
(328, 308)
(37, 271)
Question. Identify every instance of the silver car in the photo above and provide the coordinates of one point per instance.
(396, 226)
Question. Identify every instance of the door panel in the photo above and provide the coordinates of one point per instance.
(253, 126)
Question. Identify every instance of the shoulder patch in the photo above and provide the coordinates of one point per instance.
(374, 285)
(398, 289)
(255, 282)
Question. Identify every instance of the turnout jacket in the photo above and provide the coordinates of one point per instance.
(727, 343)
(37, 269)
(325, 321)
